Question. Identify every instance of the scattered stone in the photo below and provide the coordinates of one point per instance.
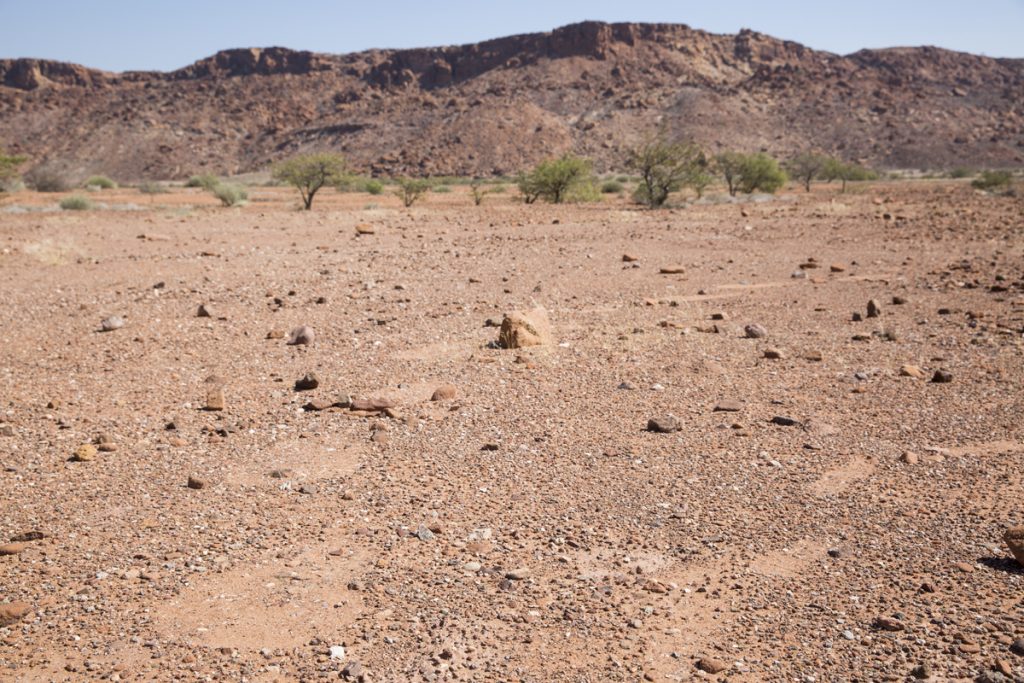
(910, 458)
(371, 405)
(1017, 647)
(215, 399)
(837, 268)
(204, 312)
(784, 421)
(888, 624)
(898, 301)
(942, 377)
(921, 672)
(629, 258)
(352, 671)
(525, 328)
(302, 335)
(519, 574)
(84, 453)
(106, 447)
(307, 382)
(711, 665)
(364, 229)
(774, 354)
(13, 612)
(114, 322)
(728, 407)
(13, 548)
(28, 536)
(874, 310)
(445, 392)
(665, 424)
(309, 489)
(196, 483)
(1014, 539)
(672, 270)
(275, 334)
(317, 405)
(912, 371)
(337, 652)
(755, 331)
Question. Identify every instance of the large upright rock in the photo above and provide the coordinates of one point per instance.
(525, 328)
(1014, 538)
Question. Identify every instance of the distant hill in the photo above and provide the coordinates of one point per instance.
(497, 106)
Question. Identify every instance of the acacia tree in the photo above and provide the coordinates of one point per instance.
(310, 172)
(729, 165)
(554, 180)
(839, 170)
(806, 167)
(665, 167)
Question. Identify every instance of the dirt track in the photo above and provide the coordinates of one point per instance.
(530, 529)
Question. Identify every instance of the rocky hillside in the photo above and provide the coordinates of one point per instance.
(493, 107)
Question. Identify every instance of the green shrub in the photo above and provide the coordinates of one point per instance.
(478, 189)
(586, 191)
(75, 203)
(612, 187)
(206, 181)
(411, 189)
(373, 186)
(310, 172)
(556, 180)
(230, 195)
(992, 181)
(443, 189)
(761, 173)
(150, 187)
(101, 182)
(749, 173)
(961, 172)
(664, 167)
(9, 170)
(46, 180)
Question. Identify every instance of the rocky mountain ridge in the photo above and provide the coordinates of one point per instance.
(496, 106)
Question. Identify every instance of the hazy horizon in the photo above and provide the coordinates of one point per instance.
(113, 35)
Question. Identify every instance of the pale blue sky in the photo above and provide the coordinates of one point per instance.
(122, 35)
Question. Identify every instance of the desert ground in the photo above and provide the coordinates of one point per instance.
(818, 508)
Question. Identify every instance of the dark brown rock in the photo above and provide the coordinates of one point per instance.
(664, 424)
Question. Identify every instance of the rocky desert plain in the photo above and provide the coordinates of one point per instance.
(763, 438)
(820, 506)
